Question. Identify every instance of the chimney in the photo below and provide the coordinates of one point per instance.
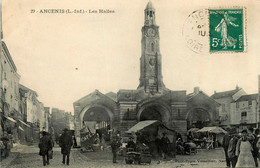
(215, 91)
(196, 90)
(237, 88)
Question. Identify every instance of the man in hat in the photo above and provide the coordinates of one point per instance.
(115, 146)
(164, 142)
(225, 144)
(45, 145)
(131, 143)
(65, 144)
(232, 148)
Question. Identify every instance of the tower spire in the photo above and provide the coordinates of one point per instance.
(149, 14)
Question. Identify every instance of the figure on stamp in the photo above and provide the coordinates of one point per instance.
(222, 27)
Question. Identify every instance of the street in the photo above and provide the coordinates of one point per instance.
(27, 156)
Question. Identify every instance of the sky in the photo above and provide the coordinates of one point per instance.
(64, 57)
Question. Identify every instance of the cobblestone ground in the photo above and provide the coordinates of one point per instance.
(27, 156)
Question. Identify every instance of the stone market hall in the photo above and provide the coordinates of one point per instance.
(150, 101)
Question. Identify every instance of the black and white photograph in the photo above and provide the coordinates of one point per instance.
(134, 83)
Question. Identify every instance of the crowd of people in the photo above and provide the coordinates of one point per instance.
(160, 145)
(241, 150)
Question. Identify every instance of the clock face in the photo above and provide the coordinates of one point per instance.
(151, 32)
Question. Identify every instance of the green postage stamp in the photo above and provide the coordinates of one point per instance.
(226, 30)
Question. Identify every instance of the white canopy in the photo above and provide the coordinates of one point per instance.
(216, 130)
(141, 125)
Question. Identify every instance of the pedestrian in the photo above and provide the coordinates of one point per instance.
(232, 148)
(255, 151)
(244, 152)
(45, 146)
(65, 144)
(225, 144)
(164, 142)
(115, 146)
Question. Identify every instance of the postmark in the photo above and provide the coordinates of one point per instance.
(215, 30)
(196, 31)
(226, 30)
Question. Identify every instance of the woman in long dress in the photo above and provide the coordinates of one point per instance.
(222, 27)
(244, 152)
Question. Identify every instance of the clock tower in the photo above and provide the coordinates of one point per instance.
(151, 73)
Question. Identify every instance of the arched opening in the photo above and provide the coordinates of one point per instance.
(97, 119)
(198, 118)
(154, 111)
(151, 113)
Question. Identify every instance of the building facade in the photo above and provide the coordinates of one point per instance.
(225, 99)
(33, 113)
(152, 100)
(9, 93)
(202, 110)
(244, 112)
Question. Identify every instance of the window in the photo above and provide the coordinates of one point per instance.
(237, 104)
(151, 13)
(244, 114)
(179, 113)
(128, 112)
(243, 117)
(250, 102)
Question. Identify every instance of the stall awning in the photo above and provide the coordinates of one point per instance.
(10, 119)
(216, 130)
(24, 123)
(141, 125)
(20, 128)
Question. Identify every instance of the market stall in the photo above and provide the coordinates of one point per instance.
(213, 136)
(150, 132)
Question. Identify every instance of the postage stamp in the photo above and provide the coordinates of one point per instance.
(215, 30)
(226, 30)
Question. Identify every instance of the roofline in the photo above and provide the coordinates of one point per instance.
(27, 89)
(245, 100)
(206, 95)
(227, 91)
(9, 56)
(92, 93)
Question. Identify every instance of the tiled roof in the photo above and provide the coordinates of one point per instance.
(229, 93)
(248, 97)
